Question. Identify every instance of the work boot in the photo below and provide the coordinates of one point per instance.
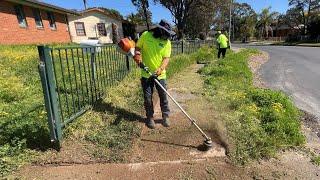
(166, 122)
(150, 123)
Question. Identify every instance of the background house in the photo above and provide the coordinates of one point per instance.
(95, 23)
(31, 21)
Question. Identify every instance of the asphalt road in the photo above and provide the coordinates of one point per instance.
(296, 71)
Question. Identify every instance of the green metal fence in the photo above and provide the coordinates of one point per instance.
(75, 78)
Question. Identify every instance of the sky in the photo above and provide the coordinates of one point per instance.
(158, 12)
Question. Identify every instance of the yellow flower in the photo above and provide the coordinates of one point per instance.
(238, 95)
(3, 114)
(253, 107)
(278, 107)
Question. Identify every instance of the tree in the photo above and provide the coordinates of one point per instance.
(180, 10)
(265, 19)
(139, 17)
(221, 19)
(314, 26)
(201, 18)
(244, 21)
(144, 5)
(299, 6)
(294, 19)
(305, 8)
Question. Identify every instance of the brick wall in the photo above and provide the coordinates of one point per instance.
(12, 33)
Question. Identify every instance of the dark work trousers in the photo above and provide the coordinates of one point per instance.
(223, 52)
(148, 87)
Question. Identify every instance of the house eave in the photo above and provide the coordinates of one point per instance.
(101, 12)
(44, 6)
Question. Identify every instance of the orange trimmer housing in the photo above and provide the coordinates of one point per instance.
(127, 46)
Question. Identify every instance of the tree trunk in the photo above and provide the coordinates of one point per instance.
(145, 14)
(309, 11)
(180, 31)
(267, 31)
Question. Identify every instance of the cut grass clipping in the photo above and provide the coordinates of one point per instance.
(24, 133)
(259, 122)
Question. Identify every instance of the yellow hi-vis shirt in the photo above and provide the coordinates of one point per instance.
(153, 51)
(223, 41)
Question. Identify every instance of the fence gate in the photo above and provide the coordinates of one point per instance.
(75, 78)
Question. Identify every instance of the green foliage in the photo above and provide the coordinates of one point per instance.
(205, 55)
(259, 121)
(316, 160)
(22, 117)
(245, 19)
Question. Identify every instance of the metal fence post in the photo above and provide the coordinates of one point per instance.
(127, 62)
(93, 67)
(50, 93)
(182, 46)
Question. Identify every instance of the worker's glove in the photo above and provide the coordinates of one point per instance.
(154, 76)
(137, 57)
(158, 71)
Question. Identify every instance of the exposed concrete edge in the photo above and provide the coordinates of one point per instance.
(137, 166)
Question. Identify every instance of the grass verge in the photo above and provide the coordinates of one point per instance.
(259, 122)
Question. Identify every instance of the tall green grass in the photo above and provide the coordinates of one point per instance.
(259, 122)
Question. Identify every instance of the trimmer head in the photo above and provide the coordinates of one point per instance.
(206, 146)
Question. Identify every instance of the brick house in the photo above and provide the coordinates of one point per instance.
(95, 23)
(32, 21)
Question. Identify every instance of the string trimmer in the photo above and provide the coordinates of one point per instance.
(127, 46)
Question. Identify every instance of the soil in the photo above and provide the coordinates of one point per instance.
(255, 63)
(171, 153)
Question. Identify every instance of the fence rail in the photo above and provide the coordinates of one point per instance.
(75, 78)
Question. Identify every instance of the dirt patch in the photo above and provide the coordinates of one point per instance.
(197, 169)
(181, 140)
(255, 62)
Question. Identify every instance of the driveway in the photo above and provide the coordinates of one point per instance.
(296, 71)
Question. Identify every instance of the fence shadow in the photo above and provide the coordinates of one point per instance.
(121, 113)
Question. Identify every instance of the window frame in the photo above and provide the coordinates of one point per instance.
(37, 12)
(84, 29)
(104, 28)
(52, 21)
(20, 12)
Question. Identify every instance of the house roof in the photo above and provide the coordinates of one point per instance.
(102, 12)
(46, 6)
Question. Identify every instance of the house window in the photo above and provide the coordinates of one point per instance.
(52, 21)
(21, 16)
(80, 30)
(37, 18)
(102, 29)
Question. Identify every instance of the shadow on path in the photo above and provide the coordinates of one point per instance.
(121, 113)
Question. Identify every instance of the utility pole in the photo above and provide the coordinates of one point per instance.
(230, 19)
(85, 4)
